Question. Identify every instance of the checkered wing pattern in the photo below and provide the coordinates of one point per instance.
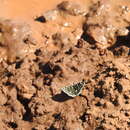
(74, 90)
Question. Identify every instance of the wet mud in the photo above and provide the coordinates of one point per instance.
(47, 46)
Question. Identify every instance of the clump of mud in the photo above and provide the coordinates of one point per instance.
(97, 52)
(14, 39)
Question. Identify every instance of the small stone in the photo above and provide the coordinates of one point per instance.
(122, 32)
(71, 8)
(51, 15)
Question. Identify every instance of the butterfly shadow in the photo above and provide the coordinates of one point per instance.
(62, 97)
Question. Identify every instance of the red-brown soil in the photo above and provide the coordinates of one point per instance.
(47, 45)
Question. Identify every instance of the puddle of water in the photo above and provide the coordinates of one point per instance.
(23, 9)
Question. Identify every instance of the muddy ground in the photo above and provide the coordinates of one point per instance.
(45, 46)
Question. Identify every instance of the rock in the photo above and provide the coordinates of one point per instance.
(66, 40)
(71, 8)
(97, 33)
(103, 37)
(51, 15)
(61, 39)
(13, 37)
(122, 32)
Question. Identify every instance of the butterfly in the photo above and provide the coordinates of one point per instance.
(74, 90)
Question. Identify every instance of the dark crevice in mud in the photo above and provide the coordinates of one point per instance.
(38, 52)
(47, 80)
(37, 74)
(69, 52)
(18, 64)
(101, 83)
(8, 83)
(27, 115)
(115, 102)
(8, 74)
(52, 128)
(84, 117)
(12, 124)
(99, 93)
(118, 75)
(33, 129)
(74, 69)
(121, 51)
(129, 53)
(88, 38)
(80, 43)
(128, 123)
(49, 68)
(99, 128)
(98, 104)
(118, 86)
(122, 41)
(57, 69)
(46, 68)
(40, 19)
(57, 117)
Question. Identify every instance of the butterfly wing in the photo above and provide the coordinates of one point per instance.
(73, 90)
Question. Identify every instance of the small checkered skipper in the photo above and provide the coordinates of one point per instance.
(74, 90)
